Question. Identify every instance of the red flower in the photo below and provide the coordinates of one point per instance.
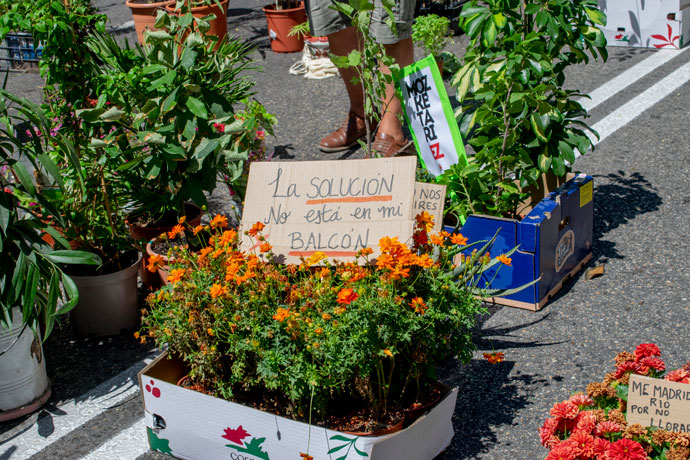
(607, 426)
(495, 357)
(586, 421)
(583, 444)
(219, 127)
(565, 409)
(601, 446)
(646, 349)
(679, 375)
(629, 366)
(547, 430)
(346, 296)
(563, 451)
(235, 436)
(581, 400)
(626, 449)
(654, 363)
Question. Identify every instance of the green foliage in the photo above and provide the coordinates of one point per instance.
(368, 60)
(30, 274)
(431, 31)
(308, 336)
(169, 109)
(516, 112)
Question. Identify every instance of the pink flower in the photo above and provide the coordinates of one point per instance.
(546, 432)
(606, 427)
(679, 375)
(586, 422)
(581, 400)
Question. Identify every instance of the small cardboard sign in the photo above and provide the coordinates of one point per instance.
(659, 403)
(430, 198)
(430, 116)
(336, 207)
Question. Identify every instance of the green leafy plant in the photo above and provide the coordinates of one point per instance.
(170, 109)
(301, 30)
(515, 110)
(30, 273)
(319, 335)
(367, 59)
(431, 31)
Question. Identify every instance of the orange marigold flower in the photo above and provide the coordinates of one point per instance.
(182, 220)
(318, 331)
(218, 290)
(326, 316)
(175, 275)
(425, 221)
(256, 228)
(494, 358)
(306, 456)
(424, 261)
(365, 252)
(504, 260)
(219, 221)
(387, 352)
(418, 305)
(210, 332)
(176, 230)
(227, 238)
(204, 252)
(198, 229)
(155, 262)
(136, 335)
(458, 239)
(324, 273)
(265, 247)
(400, 272)
(346, 296)
(437, 239)
(281, 314)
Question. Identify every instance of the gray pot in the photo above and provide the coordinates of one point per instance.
(107, 303)
(23, 381)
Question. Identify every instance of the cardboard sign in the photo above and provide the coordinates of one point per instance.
(336, 207)
(430, 198)
(430, 116)
(659, 403)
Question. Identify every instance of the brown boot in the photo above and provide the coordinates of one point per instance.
(346, 136)
(386, 146)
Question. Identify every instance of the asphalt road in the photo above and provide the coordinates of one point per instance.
(642, 202)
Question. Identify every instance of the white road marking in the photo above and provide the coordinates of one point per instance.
(636, 106)
(628, 77)
(128, 444)
(76, 413)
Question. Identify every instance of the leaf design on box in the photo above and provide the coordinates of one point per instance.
(667, 41)
(159, 444)
(349, 443)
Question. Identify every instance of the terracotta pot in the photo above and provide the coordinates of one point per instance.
(144, 15)
(164, 270)
(219, 25)
(149, 232)
(107, 303)
(279, 24)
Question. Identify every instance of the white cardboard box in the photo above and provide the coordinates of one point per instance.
(195, 426)
(661, 24)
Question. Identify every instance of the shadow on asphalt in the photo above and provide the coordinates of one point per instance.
(618, 200)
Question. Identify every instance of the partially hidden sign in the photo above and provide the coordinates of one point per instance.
(430, 116)
(659, 403)
(335, 207)
(430, 198)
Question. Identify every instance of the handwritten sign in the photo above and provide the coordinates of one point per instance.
(430, 116)
(430, 198)
(336, 207)
(659, 403)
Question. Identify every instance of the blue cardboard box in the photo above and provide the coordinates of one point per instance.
(554, 242)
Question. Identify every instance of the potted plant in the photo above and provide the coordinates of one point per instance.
(215, 12)
(596, 421)
(172, 115)
(525, 126)
(431, 32)
(281, 17)
(144, 14)
(348, 346)
(30, 272)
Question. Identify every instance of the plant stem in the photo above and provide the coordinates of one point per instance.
(506, 132)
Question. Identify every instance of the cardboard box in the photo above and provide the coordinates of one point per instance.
(661, 24)
(195, 426)
(554, 242)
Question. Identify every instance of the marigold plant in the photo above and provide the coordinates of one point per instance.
(594, 426)
(313, 336)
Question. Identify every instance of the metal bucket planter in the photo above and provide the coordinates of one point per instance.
(107, 303)
(24, 385)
